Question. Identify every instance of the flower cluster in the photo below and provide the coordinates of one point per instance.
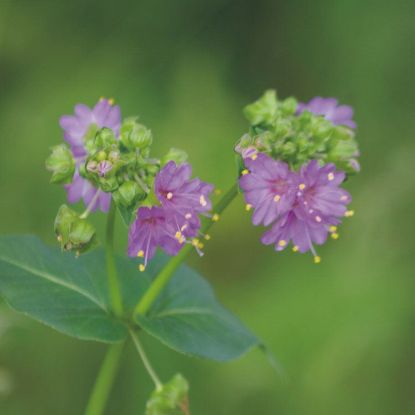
(175, 220)
(298, 133)
(290, 186)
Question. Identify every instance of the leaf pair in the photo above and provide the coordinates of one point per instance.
(71, 296)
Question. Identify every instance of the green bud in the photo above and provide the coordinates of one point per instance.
(171, 399)
(175, 154)
(134, 135)
(74, 233)
(105, 138)
(128, 194)
(61, 164)
(289, 106)
(263, 110)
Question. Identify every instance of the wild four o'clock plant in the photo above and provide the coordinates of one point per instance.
(292, 164)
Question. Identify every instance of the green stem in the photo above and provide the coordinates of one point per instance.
(105, 380)
(113, 284)
(145, 360)
(167, 272)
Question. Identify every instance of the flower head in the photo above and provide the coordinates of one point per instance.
(150, 230)
(317, 210)
(329, 108)
(75, 127)
(269, 187)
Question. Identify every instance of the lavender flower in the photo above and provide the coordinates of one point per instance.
(269, 187)
(317, 210)
(150, 230)
(75, 127)
(329, 108)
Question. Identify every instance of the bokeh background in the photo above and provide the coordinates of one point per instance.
(343, 331)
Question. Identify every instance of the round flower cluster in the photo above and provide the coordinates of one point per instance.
(298, 193)
(108, 161)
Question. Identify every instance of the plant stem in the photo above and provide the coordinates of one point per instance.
(145, 360)
(105, 380)
(113, 284)
(167, 272)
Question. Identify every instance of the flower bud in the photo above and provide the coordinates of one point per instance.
(263, 110)
(105, 138)
(128, 194)
(74, 233)
(176, 155)
(134, 135)
(171, 399)
(61, 164)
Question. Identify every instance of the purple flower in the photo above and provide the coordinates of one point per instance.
(318, 208)
(269, 187)
(337, 114)
(150, 230)
(104, 114)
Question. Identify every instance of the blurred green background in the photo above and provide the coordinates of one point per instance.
(343, 331)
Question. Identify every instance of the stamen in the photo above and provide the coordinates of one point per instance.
(215, 217)
(188, 215)
(111, 101)
(140, 253)
(317, 259)
(195, 242)
(183, 227)
(333, 228)
(330, 176)
(335, 235)
(244, 172)
(343, 198)
(248, 207)
(178, 235)
(169, 195)
(318, 219)
(200, 245)
(218, 192)
(282, 243)
(207, 237)
(254, 156)
(141, 267)
(277, 198)
(295, 248)
(349, 213)
(301, 186)
(202, 200)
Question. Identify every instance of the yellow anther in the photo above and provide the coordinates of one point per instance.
(218, 192)
(349, 213)
(215, 217)
(301, 186)
(254, 156)
(277, 198)
(183, 227)
(318, 219)
(202, 200)
(140, 253)
(335, 235)
(141, 267)
(333, 228)
(169, 195)
(343, 198)
(101, 98)
(295, 248)
(188, 215)
(330, 176)
(195, 242)
(178, 235)
(282, 243)
(317, 259)
(245, 172)
(207, 237)
(248, 207)
(111, 101)
(200, 245)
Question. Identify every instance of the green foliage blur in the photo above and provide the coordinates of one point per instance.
(343, 330)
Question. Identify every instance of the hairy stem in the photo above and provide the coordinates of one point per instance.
(105, 380)
(166, 273)
(113, 282)
(145, 360)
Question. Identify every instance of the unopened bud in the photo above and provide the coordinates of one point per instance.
(61, 164)
(128, 194)
(105, 138)
(72, 232)
(170, 399)
(134, 135)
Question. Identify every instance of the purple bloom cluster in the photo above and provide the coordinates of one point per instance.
(75, 127)
(176, 221)
(303, 207)
(329, 108)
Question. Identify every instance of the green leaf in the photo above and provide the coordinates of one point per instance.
(57, 289)
(188, 318)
